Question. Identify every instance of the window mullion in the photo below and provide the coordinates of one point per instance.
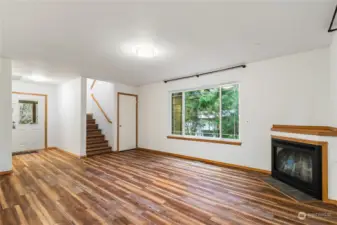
(220, 117)
(183, 114)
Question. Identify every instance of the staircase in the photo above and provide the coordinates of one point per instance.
(96, 143)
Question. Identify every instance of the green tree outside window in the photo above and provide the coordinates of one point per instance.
(206, 114)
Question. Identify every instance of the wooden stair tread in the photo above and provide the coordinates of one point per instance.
(93, 129)
(95, 135)
(94, 132)
(99, 149)
(101, 138)
(90, 133)
(98, 152)
(96, 143)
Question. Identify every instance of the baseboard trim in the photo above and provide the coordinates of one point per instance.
(217, 163)
(27, 152)
(68, 153)
(330, 201)
(2, 173)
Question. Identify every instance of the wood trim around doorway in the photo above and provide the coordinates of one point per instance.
(136, 96)
(45, 113)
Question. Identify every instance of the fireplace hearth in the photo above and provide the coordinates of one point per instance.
(299, 165)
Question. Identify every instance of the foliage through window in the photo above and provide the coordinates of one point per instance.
(177, 102)
(212, 112)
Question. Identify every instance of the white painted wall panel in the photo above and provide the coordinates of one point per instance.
(72, 116)
(5, 115)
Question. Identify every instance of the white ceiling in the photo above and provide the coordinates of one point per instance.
(92, 39)
(23, 70)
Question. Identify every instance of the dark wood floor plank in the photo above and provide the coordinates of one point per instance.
(138, 187)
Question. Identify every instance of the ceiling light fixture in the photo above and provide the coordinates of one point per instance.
(38, 78)
(145, 51)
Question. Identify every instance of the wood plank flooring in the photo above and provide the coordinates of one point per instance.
(138, 187)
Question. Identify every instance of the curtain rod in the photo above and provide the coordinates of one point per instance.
(206, 73)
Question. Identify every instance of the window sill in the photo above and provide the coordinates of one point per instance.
(216, 141)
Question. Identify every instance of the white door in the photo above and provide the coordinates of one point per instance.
(28, 122)
(127, 122)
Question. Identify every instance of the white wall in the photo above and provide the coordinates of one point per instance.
(89, 99)
(333, 81)
(333, 117)
(51, 91)
(286, 90)
(83, 117)
(104, 93)
(72, 116)
(5, 115)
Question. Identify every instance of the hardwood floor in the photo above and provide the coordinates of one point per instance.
(138, 187)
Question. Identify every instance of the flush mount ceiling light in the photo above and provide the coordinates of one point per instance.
(38, 78)
(145, 51)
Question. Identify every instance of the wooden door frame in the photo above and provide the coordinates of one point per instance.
(45, 113)
(133, 95)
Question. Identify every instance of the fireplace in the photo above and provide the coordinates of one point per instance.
(299, 165)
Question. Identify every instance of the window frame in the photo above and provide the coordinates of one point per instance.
(196, 138)
(34, 112)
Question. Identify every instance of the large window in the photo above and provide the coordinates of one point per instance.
(211, 112)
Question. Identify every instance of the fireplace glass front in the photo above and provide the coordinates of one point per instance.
(298, 165)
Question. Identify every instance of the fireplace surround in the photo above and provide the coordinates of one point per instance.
(299, 165)
(316, 139)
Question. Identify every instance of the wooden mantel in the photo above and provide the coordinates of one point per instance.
(311, 130)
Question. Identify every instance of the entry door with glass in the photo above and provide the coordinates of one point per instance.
(28, 122)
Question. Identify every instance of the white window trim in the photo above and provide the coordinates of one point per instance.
(207, 138)
(220, 116)
(183, 112)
